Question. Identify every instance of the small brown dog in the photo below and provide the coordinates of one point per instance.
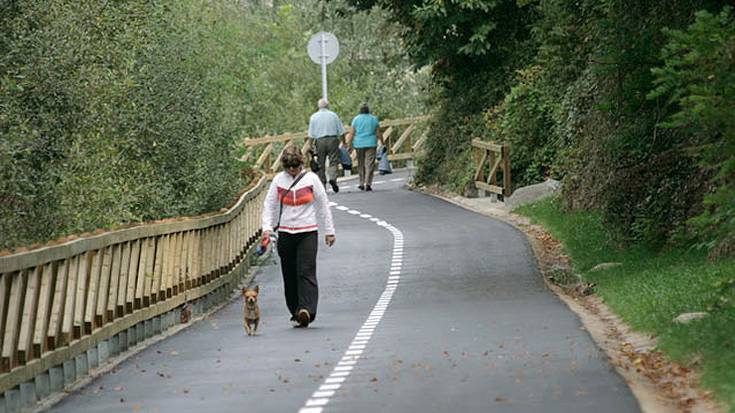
(251, 312)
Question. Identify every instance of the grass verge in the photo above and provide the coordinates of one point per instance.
(651, 288)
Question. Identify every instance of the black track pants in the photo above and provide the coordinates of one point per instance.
(298, 266)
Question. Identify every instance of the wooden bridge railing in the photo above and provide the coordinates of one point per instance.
(398, 136)
(57, 302)
(497, 160)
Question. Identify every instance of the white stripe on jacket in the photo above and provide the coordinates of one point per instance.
(305, 207)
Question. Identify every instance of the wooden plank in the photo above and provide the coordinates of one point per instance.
(145, 271)
(165, 287)
(181, 280)
(100, 311)
(81, 294)
(419, 144)
(276, 138)
(196, 259)
(506, 171)
(208, 253)
(492, 176)
(248, 153)
(167, 269)
(43, 315)
(8, 358)
(28, 319)
(132, 276)
(264, 156)
(176, 275)
(402, 138)
(490, 188)
(122, 287)
(158, 268)
(221, 249)
(387, 134)
(67, 318)
(189, 268)
(480, 170)
(150, 263)
(401, 156)
(95, 272)
(173, 276)
(478, 143)
(57, 307)
(5, 282)
(405, 121)
(110, 311)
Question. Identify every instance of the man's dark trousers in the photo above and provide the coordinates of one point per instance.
(298, 266)
(327, 147)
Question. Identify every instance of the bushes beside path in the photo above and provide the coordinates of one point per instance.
(652, 288)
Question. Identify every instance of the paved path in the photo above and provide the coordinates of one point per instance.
(424, 307)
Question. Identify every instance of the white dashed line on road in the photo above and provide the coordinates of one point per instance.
(319, 399)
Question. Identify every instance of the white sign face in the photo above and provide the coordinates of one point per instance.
(323, 48)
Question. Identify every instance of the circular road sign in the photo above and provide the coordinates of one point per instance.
(330, 50)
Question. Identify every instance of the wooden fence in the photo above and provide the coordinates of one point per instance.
(58, 302)
(496, 159)
(398, 136)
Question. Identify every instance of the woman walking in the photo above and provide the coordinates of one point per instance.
(297, 206)
(365, 130)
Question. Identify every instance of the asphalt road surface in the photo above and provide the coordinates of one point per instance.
(424, 307)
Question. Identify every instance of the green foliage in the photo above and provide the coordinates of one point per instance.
(123, 111)
(285, 84)
(104, 105)
(653, 287)
(567, 85)
(524, 120)
(698, 81)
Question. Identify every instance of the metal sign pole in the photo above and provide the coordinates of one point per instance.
(323, 48)
(323, 42)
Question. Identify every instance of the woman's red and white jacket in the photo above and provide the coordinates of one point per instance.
(305, 206)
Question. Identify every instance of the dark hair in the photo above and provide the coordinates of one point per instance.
(292, 156)
(364, 108)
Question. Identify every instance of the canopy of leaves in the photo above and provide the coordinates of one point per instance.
(609, 95)
(123, 111)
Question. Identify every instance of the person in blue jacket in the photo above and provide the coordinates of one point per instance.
(364, 135)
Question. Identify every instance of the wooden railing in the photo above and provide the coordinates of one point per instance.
(398, 136)
(496, 158)
(58, 302)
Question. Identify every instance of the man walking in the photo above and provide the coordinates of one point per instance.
(325, 131)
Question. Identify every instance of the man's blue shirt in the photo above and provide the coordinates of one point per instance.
(325, 123)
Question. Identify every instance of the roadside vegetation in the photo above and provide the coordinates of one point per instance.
(125, 111)
(628, 103)
(652, 287)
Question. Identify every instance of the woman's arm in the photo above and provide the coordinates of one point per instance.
(270, 208)
(349, 136)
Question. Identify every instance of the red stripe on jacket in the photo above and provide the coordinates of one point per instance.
(301, 196)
